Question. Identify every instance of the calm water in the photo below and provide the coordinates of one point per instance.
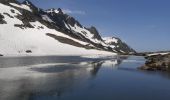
(76, 78)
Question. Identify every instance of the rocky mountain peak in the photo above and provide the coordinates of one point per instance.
(60, 11)
(27, 2)
(31, 5)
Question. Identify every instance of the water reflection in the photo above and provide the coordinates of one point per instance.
(25, 61)
(54, 80)
(95, 68)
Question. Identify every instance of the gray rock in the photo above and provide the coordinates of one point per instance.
(2, 21)
(157, 62)
(28, 51)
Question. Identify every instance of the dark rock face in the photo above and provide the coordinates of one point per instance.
(1, 16)
(8, 15)
(72, 21)
(28, 51)
(57, 18)
(157, 62)
(23, 26)
(121, 46)
(2, 21)
(68, 41)
(12, 11)
(60, 11)
(1, 55)
(94, 31)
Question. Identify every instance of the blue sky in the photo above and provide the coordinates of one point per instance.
(143, 24)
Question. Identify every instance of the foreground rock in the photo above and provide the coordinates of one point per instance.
(157, 62)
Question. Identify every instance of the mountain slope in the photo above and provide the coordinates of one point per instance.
(26, 29)
(118, 46)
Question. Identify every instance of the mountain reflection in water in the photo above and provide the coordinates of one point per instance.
(76, 78)
(26, 82)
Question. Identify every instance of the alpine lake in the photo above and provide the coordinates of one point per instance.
(80, 78)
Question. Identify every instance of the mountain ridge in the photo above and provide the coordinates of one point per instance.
(28, 15)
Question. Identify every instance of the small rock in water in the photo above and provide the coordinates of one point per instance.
(28, 51)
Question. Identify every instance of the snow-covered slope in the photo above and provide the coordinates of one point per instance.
(26, 29)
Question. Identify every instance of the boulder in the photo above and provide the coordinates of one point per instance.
(2, 21)
(28, 51)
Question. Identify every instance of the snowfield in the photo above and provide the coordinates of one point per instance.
(16, 41)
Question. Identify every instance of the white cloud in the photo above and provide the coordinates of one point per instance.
(68, 11)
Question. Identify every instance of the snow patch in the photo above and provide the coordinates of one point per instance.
(46, 18)
(153, 54)
(52, 11)
(109, 40)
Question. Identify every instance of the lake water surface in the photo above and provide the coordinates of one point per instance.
(76, 78)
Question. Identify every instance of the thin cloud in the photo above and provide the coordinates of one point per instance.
(68, 11)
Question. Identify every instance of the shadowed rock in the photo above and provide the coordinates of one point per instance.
(2, 21)
(94, 31)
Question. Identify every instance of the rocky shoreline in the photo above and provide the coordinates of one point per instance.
(158, 62)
